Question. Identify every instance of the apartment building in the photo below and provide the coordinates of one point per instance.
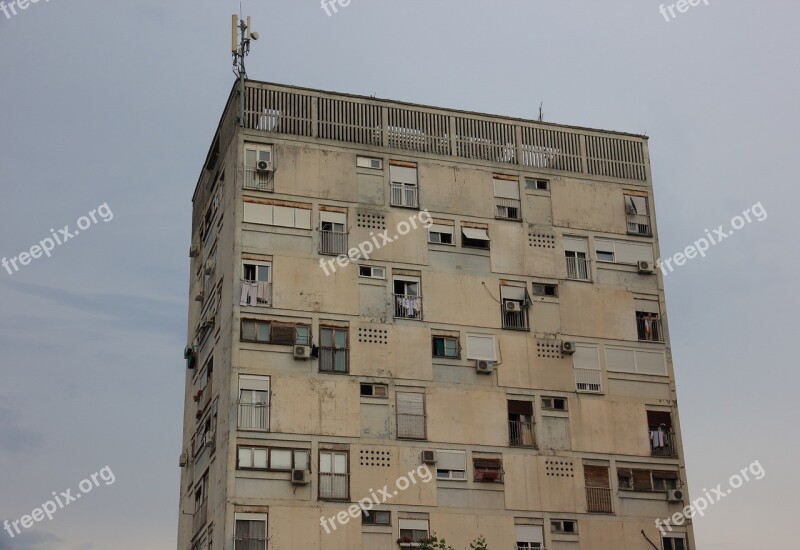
(515, 342)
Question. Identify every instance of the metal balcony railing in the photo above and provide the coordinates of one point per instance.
(407, 306)
(404, 195)
(247, 543)
(333, 359)
(253, 416)
(200, 516)
(530, 546)
(411, 426)
(260, 181)
(662, 442)
(590, 380)
(332, 242)
(520, 434)
(507, 209)
(515, 320)
(649, 329)
(598, 499)
(639, 224)
(577, 268)
(334, 486)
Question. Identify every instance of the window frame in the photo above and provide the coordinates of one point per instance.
(457, 341)
(368, 165)
(467, 242)
(427, 532)
(544, 287)
(555, 523)
(256, 323)
(333, 452)
(536, 184)
(553, 400)
(449, 476)
(269, 450)
(372, 269)
(373, 386)
(374, 514)
(334, 349)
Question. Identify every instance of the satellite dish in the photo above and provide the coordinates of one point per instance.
(254, 35)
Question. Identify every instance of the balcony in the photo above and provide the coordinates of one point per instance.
(332, 242)
(260, 181)
(200, 516)
(247, 543)
(648, 328)
(253, 416)
(333, 359)
(507, 209)
(520, 434)
(662, 442)
(404, 195)
(598, 500)
(514, 320)
(334, 486)
(407, 306)
(577, 268)
(639, 224)
(410, 426)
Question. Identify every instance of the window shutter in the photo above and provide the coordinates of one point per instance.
(451, 460)
(596, 476)
(283, 334)
(520, 407)
(641, 480)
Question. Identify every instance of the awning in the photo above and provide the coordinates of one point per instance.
(475, 234)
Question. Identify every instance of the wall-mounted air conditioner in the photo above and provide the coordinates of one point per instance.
(511, 305)
(428, 457)
(300, 477)
(484, 367)
(302, 352)
(184, 459)
(567, 348)
(644, 266)
(675, 495)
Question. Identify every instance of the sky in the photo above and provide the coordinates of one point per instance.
(108, 109)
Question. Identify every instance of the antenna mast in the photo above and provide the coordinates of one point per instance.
(241, 35)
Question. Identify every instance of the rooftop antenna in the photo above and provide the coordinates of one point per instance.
(241, 35)
(541, 112)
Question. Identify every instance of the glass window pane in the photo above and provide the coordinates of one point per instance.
(451, 348)
(340, 339)
(302, 335)
(438, 346)
(250, 158)
(245, 457)
(263, 332)
(263, 273)
(325, 463)
(301, 460)
(340, 463)
(280, 459)
(259, 458)
(326, 338)
(248, 330)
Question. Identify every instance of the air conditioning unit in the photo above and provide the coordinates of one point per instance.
(302, 352)
(184, 459)
(429, 457)
(194, 251)
(510, 305)
(376, 163)
(300, 477)
(644, 266)
(200, 296)
(210, 440)
(210, 265)
(675, 495)
(264, 166)
(208, 322)
(567, 348)
(484, 367)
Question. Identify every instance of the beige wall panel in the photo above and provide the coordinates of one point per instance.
(602, 426)
(515, 371)
(587, 310)
(330, 407)
(461, 529)
(300, 284)
(509, 240)
(454, 298)
(397, 359)
(588, 205)
(453, 416)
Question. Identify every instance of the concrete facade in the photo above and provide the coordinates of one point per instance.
(581, 379)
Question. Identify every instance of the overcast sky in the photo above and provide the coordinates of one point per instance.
(117, 102)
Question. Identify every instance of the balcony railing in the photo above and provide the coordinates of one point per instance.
(253, 416)
(662, 442)
(577, 268)
(530, 546)
(507, 209)
(515, 320)
(598, 499)
(247, 543)
(200, 516)
(404, 195)
(520, 434)
(410, 426)
(333, 359)
(333, 486)
(408, 306)
(649, 329)
(332, 242)
(639, 224)
(261, 181)
(589, 380)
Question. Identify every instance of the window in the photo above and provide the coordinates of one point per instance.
(575, 252)
(298, 215)
(333, 350)
(376, 517)
(332, 233)
(475, 237)
(374, 390)
(520, 424)
(625, 479)
(506, 198)
(637, 215)
(451, 465)
(446, 346)
(529, 536)
(544, 289)
(372, 272)
(250, 532)
(641, 480)
(481, 347)
(404, 187)
(440, 234)
(554, 403)
(648, 324)
(662, 438)
(256, 283)
(258, 164)
(604, 251)
(407, 297)
(488, 470)
(563, 526)
(586, 363)
(410, 415)
(333, 475)
(263, 458)
(413, 530)
(665, 481)
(533, 184)
(253, 402)
(369, 162)
(514, 306)
(622, 252)
(253, 330)
(302, 335)
(674, 541)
